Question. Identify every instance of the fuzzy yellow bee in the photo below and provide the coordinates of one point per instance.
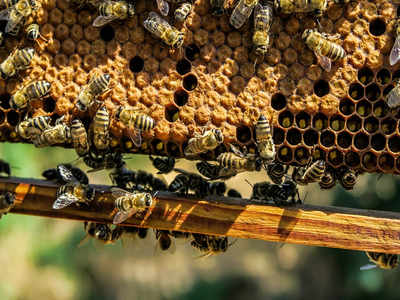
(113, 10)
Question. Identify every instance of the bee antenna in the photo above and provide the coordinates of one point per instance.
(249, 183)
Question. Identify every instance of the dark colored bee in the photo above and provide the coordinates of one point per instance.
(347, 178)
(142, 232)
(103, 232)
(5, 167)
(234, 193)
(195, 183)
(278, 193)
(217, 188)
(180, 184)
(7, 201)
(179, 234)
(103, 161)
(328, 180)
(209, 245)
(214, 172)
(53, 174)
(164, 239)
(159, 185)
(163, 164)
(276, 171)
(382, 260)
(310, 174)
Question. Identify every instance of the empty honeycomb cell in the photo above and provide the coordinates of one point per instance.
(344, 139)
(372, 92)
(320, 121)
(377, 27)
(278, 136)
(303, 120)
(378, 142)
(337, 122)
(321, 88)
(181, 97)
(383, 76)
(12, 117)
(388, 126)
(380, 109)
(278, 101)
(49, 104)
(363, 108)
(285, 119)
(189, 82)
(5, 101)
(356, 91)
(293, 136)
(386, 90)
(346, 107)
(371, 124)
(285, 154)
(107, 33)
(158, 146)
(136, 64)
(352, 159)
(353, 124)
(361, 141)
(327, 138)
(365, 75)
(394, 144)
(183, 66)
(171, 113)
(301, 155)
(318, 153)
(335, 157)
(61, 32)
(243, 134)
(369, 161)
(386, 162)
(310, 137)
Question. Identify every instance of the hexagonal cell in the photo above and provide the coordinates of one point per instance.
(394, 144)
(192, 52)
(386, 162)
(318, 153)
(12, 117)
(356, 91)
(278, 136)
(346, 107)
(335, 157)
(363, 108)
(378, 142)
(388, 126)
(352, 159)
(372, 92)
(136, 64)
(369, 161)
(361, 141)
(327, 138)
(278, 101)
(5, 101)
(377, 27)
(344, 139)
(285, 154)
(171, 113)
(387, 90)
(337, 122)
(243, 134)
(371, 124)
(383, 76)
(380, 109)
(181, 97)
(310, 137)
(183, 66)
(321, 88)
(320, 121)
(301, 155)
(158, 146)
(303, 120)
(173, 149)
(365, 75)
(285, 119)
(189, 82)
(353, 124)
(293, 136)
(107, 33)
(49, 104)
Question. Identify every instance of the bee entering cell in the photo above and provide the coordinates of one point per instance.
(352, 159)
(361, 141)
(377, 27)
(344, 139)
(388, 126)
(372, 92)
(394, 144)
(365, 76)
(346, 107)
(190, 82)
(171, 113)
(12, 118)
(136, 64)
(243, 134)
(285, 154)
(387, 90)
(371, 124)
(378, 142)
(335, 157)
(173, 149)
(278, 101)
(181, 97)
(310, 137)
(321, 88)
(5, 101)
(386, 162)
(107, 33)
(183, 66)
(380, 109)
(303, 120)
(278, 136)
(363, 108)
(285, 119)
(158, 146)
(192, 52)
(302, 155)
(294, 136)
(49, 104)
(337, 123)
(327, 138)
(320, 121)
(354, 124)
(383, 76)
(356, 91)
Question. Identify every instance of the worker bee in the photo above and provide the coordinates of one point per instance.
(209, 140)
(102, 232)
(163, 30)
(381, 260)
(347, 178)
(393, 98)
(29, 92)
(113, 10)
(102, 161)
(310, 174)
(16, 14)
(135, 123)
(187, 181)
(123, 177)
(328, 179)
(58, 134)
(395, 52)
(217, 188)
(101, 123)
(128, 203)
(325, 50)
(96, 86)
(234, 193)
(79, 137)
(214, 172)
(209, 245)
(238, 161)
(7, 201)
(164, 165)
(164, 240)
(217, 7)
(299, 6)
(276, 171)
(264, 141)
(73, 191)
(56, 175)
(32, 127)
(5, 168)
(179, 184)
(32, 32)
(16, 61)
(262, 22)
(242, 12)
(183, 11)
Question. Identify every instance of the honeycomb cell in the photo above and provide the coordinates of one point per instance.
(285, 154)
(337, 122)
(386, 162)
(49, 104)
(303, 120)
(346, 107)
(278, 101)
(107, 33)
(171, 113)
(158, 146)
(377, 27)
(321, 88)
(356, 91)
(285, 119)
(378, 142)
(353, 124)
(361, 141)
(327, 138)
(243, 134)
(189, 82)
(320, 121)
(380, 109)
(278, 136)
(335, 157)
(5, 101)
(365, 75)
(372, 92)
(352, 159)
(369, 161)
(387, 90)
(363, 108)
(301, 155)
(388, 126)
(394, 144)
(383, 76)
(183, 66)
(181, 97)
(293, 136)
(12, 117)
(136, 64)
(318, 153)
(310, 137)
(344, 139)
(371, 124)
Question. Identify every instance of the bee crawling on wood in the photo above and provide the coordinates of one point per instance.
(102, 233)
(186, 181)
(381, 260)
(209, 244)
(276, 171)
(58, 134)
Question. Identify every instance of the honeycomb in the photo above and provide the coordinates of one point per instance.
(216, 81)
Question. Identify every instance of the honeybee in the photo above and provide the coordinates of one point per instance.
(186, 181)
(234, 193)
(102, 232)
(210, 245)
(164, 240)
(393, 98)
(276, 171)
(102, 161)
(242, 12)
(395, 52)
(128, 203)
(73, 191)
(96, 86)
(262, 22)
(101, 123)
(163, 7)
(32, 32)
(325, 50)
(29, 92)
(217, 188)
(7, 201)
(238, 161)
(183, 11)
(301, 6)
(113, 10)
(347, 178)
(217, 7)
(213, 172)
(16, 61)
(179, 184)
(209, 140)
(16, 14)
(58, 134)
(310, 174)
(55, 175)
(328, 179)
(33, 127)
(163, 30)
(381, 260)
(5, 168)
(79, 137)
(265, 143)
(164, 165)
(135, 123)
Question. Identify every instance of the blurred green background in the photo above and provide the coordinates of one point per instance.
(40, 258)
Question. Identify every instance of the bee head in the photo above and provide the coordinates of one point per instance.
(131, 9)
(218, 135)
(102, 232)
(107, 77)
(321, 164)
(306, 33)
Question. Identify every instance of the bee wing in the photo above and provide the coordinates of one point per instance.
(5, 14)
(103, 20)
(135, 136)
(393, 98)
(324, 62)
(123, 216)
(395, 52)
(236, 151)
(368, 267)
(13, 22)
(257, 9)
(66, 174)
(163, 7)
(117, 192)
(64, 200)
